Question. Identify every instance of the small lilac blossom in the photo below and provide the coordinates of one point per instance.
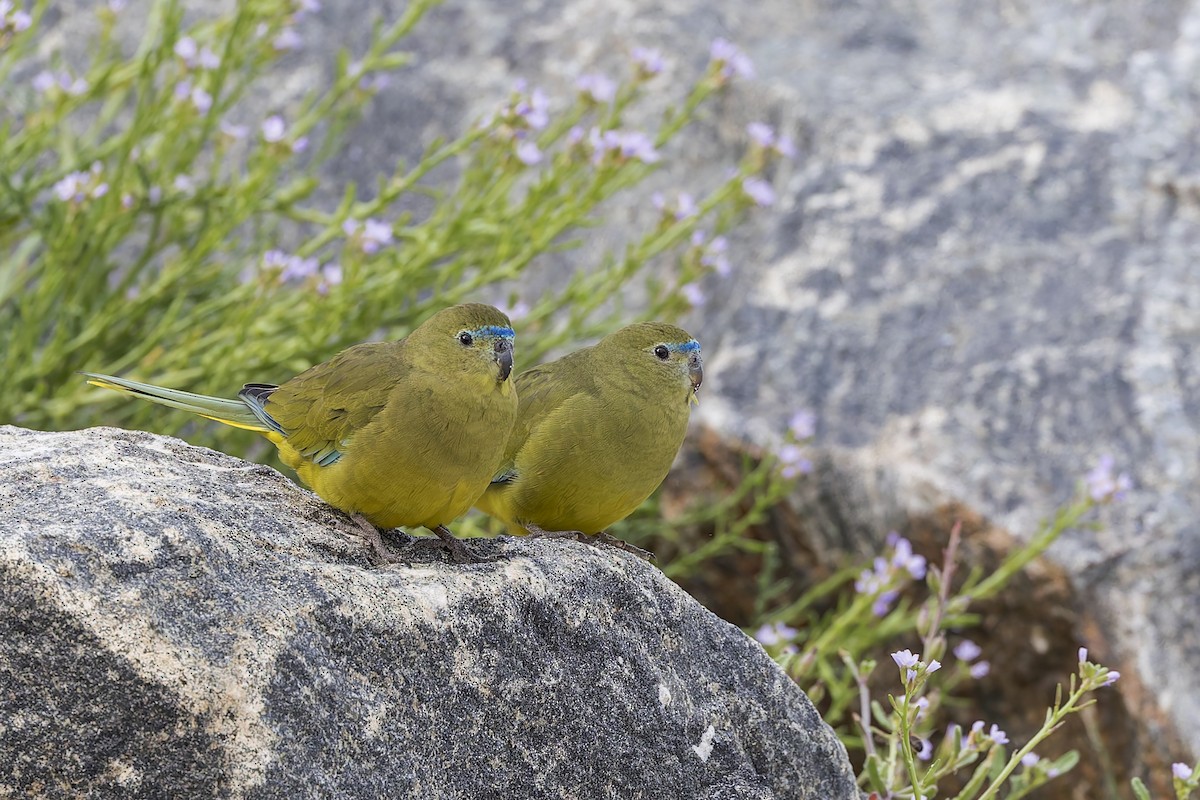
(273, 128)
(926, 751)
(649, 62)
(74, 87)
(375, 234)
(693, 294)
(1181, 771)
(628, 145)
(44, 81)
(535, 111)
(1112, 677)
(183, 89)
(762, 134)
(599, 88)
(731, 62)
(331, 275)
(575, 135)
(300, 145)
(529, 153)
(759, 191)
(207, 59)
(966, 650)
(287, 40)
(905, 658)
(297, 268)
(793, 462)
(71, 187)
(186, 49)
(233, 131)
(275, 259)
(934, 665)
(154, 195)
(99, 190)
(202, 100)
(980, 669)
(714, 256)
(803, 424)
(785, 147)
(1030, 759)
(183, 183)
(17, 20)
(1102, 484)
(883, 603)
(1083, 654)
(903, 558)
(126, 201)
(775, 633)
(998, 736)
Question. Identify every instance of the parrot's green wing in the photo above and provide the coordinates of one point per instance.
(322, 408)
(541, 391)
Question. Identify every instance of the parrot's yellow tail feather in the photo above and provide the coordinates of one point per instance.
(229, 412)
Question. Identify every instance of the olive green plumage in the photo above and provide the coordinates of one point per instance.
(405, 433)
(596, 431)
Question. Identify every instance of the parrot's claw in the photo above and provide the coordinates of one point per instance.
(371, 534)
(595, 540)
(459, 552)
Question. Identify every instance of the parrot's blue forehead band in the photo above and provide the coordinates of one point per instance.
(690, 346)
(494, 330)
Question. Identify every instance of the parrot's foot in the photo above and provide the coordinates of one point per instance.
(595, 540)
(458, 551)
(371, 534)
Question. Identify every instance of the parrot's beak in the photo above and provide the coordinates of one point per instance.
(504, 358)
(695, 371)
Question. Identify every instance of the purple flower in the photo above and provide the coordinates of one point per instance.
(693, 293)
(186, 49)
(183, 184)
(575, 135)
(374, 234)
(714, 256)
(208, 59)
(297, 268)
(273, 129)
(998, 736)
(883, 603)
(72, 187)
(300, 145)
(905, 659)
(528, 153)
(803, 424)
(966, 650)
(1181, 771)
(599, 88)
(775, 633)
(926, 751)
(649, 62)
(17, 20)
(331, 275)
(1102, 484)
(731, 61)
(934, 665)
(1030, 759)
(793, 462)
(183, 89)
(627, 145)
(44, 82)
(759, 191)
(980, 669)
(287, 40)
(202, 100)
(535, 111)
(1112, 677)
(761, 133)
(903, 558)
(1083, 654)
(233, 131)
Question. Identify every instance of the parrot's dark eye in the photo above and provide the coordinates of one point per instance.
(466, 339)
(662, 352)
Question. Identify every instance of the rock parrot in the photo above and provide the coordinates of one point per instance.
(404, 433)
(596, 433)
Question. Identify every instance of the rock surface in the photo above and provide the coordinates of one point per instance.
(177, 622)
